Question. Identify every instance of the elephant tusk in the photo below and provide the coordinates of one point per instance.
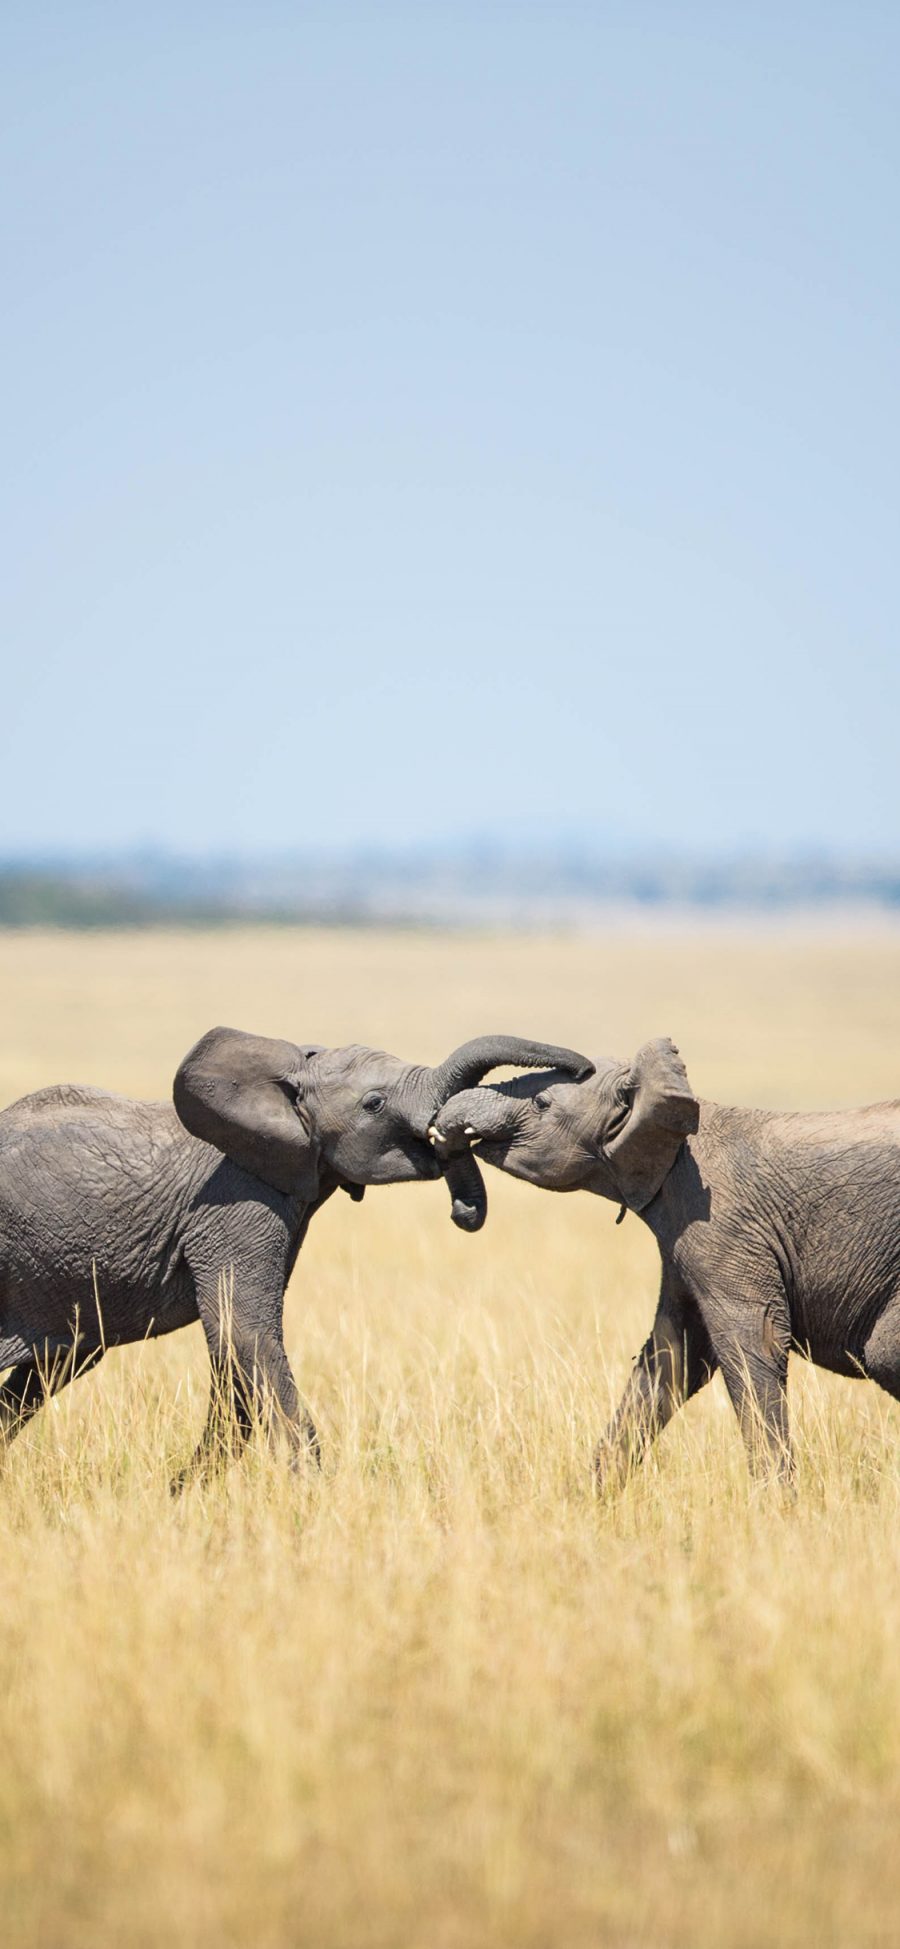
(439, 1137)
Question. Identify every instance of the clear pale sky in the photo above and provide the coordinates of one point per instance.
(449, 418)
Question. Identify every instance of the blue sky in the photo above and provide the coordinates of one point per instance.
(436, 419)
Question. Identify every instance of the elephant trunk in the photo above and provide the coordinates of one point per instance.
(473, 1116)
(462, 1071)
(468, 1195)
(472, 1060)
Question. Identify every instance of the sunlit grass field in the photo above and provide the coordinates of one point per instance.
(438, 1695)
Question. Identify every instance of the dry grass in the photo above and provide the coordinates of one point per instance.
(439, 1696)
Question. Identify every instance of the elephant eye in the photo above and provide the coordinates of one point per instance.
(373, 1101)
(542, 1101)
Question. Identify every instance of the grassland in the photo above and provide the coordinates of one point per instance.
(439, 1697)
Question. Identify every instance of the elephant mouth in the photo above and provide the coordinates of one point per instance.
(426, 1159)
(498, 1150)
(492, 1150)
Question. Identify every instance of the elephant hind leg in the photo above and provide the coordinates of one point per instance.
(32, 1382)
(881, 1353)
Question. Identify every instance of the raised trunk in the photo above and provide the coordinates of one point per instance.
(429, 1090)
(468, 1064)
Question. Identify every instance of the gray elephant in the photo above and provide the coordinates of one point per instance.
(776, 1231)
(122, 1220)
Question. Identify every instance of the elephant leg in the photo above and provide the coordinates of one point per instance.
(229, 1423)
(881, 1353)
(753, 1357)
(275, 1389)
(251, 1377)
(675, 1362)
(29, 1385)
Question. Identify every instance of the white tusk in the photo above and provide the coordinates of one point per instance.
(469, 1132)
(436, 1135)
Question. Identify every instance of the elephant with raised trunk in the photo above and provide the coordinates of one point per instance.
(122, 1220)
(777, 1231)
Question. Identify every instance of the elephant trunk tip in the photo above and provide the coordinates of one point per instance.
(469, 1218)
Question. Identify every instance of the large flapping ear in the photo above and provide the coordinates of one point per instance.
(658, 1111)
(240, 1093)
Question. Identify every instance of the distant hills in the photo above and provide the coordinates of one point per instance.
(478, 884)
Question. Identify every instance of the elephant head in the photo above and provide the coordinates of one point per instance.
(617, 1132)
(290, 1112)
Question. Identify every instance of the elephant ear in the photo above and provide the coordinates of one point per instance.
(658, 1110)
(240, 1093)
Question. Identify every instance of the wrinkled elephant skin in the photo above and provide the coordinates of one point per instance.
(776, 1231)
(122, 1220)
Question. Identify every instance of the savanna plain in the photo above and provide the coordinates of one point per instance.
(439, 1695)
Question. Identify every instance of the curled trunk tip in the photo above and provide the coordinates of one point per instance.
(468, 1196)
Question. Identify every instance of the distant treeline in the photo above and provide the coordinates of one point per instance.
(29, 899)
(478, 884)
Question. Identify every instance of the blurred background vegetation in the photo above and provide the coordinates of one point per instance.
(481, 881)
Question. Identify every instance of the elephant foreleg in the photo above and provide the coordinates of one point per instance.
(229, 1424)
(251, 1376)
(29, 1385)
(263, 1358)
(674, 1363)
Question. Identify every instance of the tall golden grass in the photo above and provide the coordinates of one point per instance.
(439, 1696)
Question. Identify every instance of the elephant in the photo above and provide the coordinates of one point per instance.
(122, 1220)
(778, 1232)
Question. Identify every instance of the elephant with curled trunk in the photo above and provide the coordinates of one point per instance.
(776, 1231)
(122, 1220)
